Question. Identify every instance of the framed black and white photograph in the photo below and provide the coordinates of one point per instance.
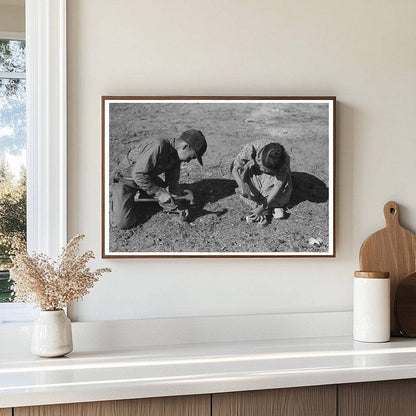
(218, 176)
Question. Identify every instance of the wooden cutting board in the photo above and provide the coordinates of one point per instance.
(393, 250)
(405, 306)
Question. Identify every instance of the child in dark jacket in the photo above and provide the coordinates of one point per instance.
(141, 168)
(262, 173)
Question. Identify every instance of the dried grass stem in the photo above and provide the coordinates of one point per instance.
(53, 285)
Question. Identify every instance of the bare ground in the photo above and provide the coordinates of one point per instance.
(218, 219)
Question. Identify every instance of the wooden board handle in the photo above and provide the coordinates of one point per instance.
(391, 214)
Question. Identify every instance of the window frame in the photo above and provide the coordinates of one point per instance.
(12, 35)
(46, 137)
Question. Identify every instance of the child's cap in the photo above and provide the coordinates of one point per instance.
(270, 156)
(196, 141)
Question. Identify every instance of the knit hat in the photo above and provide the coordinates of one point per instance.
(196, 141)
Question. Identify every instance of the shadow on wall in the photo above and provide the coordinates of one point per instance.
(307, 187)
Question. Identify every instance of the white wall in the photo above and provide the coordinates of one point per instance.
(361, 51)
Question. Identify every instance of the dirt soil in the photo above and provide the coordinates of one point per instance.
(218, 220)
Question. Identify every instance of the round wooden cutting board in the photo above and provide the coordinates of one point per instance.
(393, 250)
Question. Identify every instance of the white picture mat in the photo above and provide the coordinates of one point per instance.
(106, 115)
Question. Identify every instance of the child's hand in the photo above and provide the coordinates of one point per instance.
(258, 212)
(256, 215)
(164, 197)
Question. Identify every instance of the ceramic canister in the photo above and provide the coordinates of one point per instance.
(371, 313)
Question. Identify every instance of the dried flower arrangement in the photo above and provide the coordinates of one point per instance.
(53, 285)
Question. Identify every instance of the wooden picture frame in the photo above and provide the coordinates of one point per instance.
(239, 130)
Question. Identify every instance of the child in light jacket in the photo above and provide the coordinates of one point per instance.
(262, 173)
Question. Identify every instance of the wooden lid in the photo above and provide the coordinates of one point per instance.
(372, 275)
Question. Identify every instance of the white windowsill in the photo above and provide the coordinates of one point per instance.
(16, 313)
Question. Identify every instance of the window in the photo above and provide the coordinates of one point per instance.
(12, 153)
(45, 27)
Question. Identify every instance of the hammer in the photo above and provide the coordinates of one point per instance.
(187, 196)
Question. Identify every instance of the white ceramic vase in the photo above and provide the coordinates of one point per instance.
(52, 334)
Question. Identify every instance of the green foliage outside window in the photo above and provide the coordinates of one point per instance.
(12, 145)
(12, 223)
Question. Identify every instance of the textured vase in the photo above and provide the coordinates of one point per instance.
(52, 334)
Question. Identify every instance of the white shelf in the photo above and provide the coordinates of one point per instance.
(150, 371)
